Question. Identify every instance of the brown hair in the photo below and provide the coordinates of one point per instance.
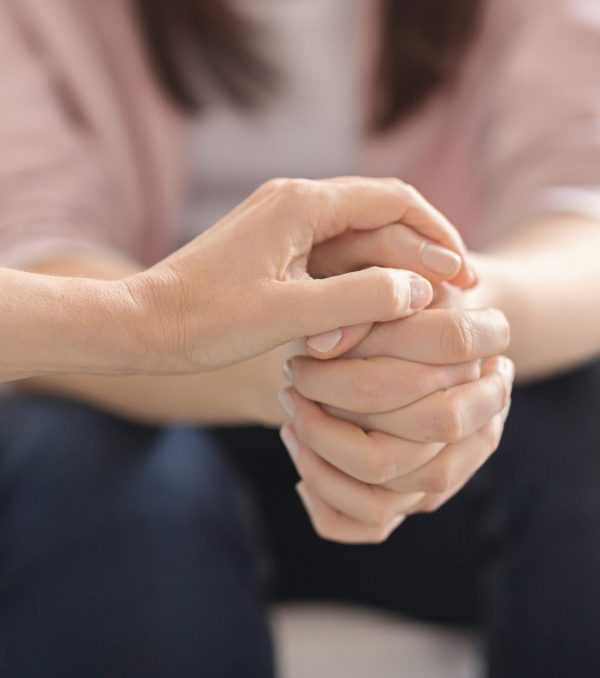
(423, 42)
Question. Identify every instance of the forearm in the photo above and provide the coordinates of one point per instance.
(60, 324)
(546, 279)
(242, 393)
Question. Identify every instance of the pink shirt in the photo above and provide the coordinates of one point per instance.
(92, 153)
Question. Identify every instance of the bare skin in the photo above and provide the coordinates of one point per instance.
(235, 292)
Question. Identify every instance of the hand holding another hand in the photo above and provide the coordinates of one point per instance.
(243, 287)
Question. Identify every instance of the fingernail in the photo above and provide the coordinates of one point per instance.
(421, 293)
(290, 441)
(323, 343)
(287, 370)
(287, 402)
(304, 496)
(440, 260)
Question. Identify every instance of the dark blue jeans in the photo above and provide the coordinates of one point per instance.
(131, 551)
(124, 551)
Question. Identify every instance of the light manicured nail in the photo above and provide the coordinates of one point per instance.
(421, 293)
(323, 343)
(290, 441)
(440, 260)
(307, 500)
(287, 370)
(287, 402)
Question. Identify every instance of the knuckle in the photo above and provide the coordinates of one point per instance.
(323, 531)
(437, 481)
(447, 423)
(400, 184)
(396, 182)
(392, 244)
(307, 471)
(387, 294)
(493, 434)
(409, 189)
(295, 189)
(431, 503)
(379, 468)
(323, 527)
(458, 336)
(380, 512)
(411, 194)
(384, 533)
(273, 184)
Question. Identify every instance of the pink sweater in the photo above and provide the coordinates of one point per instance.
(90, 149)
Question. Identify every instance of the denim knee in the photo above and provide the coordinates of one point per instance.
(132, 541)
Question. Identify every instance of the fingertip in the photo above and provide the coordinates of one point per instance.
(507, 367)
(467, 278)
(421, 293)
(418, 295)
(500, 364)
(473, 276)
(350, 338)
(324, 343)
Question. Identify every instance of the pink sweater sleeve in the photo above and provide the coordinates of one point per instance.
(57, 193)
(543, 121)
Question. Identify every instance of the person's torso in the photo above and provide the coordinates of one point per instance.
(316, 123)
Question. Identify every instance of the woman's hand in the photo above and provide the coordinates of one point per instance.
(405, 421)
(243, 287)
(394, 246)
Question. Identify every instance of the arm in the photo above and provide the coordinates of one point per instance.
(245, 392)
(88, 333)
(546, 279)
(541, 186)
(209, 314)
(58, 324)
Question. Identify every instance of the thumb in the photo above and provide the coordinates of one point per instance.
(336, 342)
(367, 296)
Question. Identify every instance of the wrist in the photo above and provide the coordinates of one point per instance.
(114, 330)
(265, 379)
(151, 316)
(135, 341)
(89, 328)
(494, 289)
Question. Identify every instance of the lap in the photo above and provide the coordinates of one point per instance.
(538, 498)
(131, 541)
(101, 519)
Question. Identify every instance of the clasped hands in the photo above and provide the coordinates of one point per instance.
(408, 412)
(393, 407)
